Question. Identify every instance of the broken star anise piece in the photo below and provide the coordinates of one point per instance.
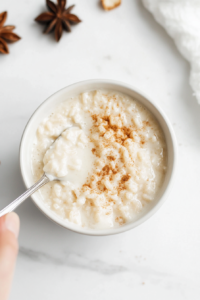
(58, 18)
(6, 34)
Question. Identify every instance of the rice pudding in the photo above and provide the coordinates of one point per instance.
(110, 167)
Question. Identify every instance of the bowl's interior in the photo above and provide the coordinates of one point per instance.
(50, 104)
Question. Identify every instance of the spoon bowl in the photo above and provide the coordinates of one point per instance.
(41, 182)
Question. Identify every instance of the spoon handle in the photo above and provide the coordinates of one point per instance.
(10, 207)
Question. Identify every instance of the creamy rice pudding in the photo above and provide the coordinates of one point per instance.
(110, 167)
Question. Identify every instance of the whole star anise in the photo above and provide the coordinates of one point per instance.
(6, 34)
(58, 18)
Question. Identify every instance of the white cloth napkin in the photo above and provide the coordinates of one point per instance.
(181, 19)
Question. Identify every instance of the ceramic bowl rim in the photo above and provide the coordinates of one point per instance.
(130, 225)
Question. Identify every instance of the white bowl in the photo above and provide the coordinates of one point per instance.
(51, 103)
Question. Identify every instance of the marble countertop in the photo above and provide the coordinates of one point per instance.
(160, 259)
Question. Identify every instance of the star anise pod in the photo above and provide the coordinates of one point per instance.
(58, 18)
(6, 34)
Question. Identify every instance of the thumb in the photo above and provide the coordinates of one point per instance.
(9, 230)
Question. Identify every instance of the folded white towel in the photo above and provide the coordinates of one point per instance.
(181, 19)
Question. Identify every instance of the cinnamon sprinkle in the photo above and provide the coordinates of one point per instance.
(125, 178)
(111, 130)
(111, 157)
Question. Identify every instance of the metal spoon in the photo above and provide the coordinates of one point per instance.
(42, 181)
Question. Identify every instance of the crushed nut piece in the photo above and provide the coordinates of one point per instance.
(110, 4)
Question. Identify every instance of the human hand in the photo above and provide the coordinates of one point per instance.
(9, 230)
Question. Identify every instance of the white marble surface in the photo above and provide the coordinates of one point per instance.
(161, 258)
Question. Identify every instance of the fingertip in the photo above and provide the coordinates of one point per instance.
(12, 223)
(9, 230)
